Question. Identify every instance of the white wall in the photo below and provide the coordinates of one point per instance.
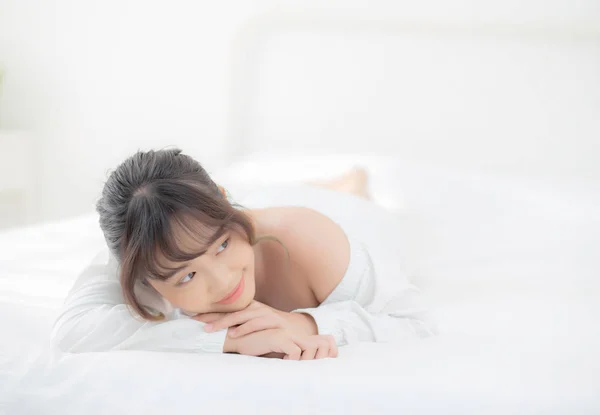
(93, 81)
(515, 101)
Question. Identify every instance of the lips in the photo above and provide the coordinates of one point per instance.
(234, 294)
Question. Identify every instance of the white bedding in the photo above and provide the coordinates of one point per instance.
(509, 269)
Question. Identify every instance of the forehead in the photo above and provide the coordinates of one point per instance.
(193, 234)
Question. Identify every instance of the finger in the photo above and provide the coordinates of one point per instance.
(273, 355)
(209, 317)
(306, 342)
(325, 343)
(310, 353)
(310, 344)
(258, 324)
(233, 319)
(293, 356)
(333, 348)
(333, 351)
(323, 351)
(292, 351)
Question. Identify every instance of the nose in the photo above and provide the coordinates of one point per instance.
(222, 279)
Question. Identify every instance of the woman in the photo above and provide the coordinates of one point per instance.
(189, 271)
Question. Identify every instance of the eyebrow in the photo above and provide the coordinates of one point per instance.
(216, 236)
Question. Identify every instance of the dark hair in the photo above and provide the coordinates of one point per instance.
(145, 198)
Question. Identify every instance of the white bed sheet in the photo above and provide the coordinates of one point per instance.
(461, 372)
(38, 265)
(510, 341)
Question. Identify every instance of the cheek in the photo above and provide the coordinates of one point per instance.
(248, 264)
(249, 271)
(249, 255)
(192, 298)
(242, 255)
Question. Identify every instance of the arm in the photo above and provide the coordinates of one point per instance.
(365, 308)
(95, 318)
(358, 301)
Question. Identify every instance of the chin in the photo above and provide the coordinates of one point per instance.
(239, 305)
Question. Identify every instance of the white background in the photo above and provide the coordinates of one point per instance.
(510, 86)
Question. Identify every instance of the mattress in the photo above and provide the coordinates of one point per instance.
(518, 329)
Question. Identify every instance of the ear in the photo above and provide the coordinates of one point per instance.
(222, 190)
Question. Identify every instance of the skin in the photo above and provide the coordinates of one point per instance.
(259, 322)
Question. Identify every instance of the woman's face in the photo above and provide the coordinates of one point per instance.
(221, 280)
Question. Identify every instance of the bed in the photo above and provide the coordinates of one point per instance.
(517, 318)
(504, 241)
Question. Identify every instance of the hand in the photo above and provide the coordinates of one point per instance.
(256, 317)
(281, 343)
(318, 347)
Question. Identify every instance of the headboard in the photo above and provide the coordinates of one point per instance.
(514, 99)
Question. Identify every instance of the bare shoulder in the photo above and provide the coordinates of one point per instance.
(317, 245)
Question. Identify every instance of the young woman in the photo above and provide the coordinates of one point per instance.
(189, 270)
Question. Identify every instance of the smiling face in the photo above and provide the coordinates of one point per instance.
(220, 279)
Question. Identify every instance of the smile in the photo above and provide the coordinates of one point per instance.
(234, 294)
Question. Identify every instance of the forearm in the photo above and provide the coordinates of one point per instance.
(106, 328)
(348, 323)
(397, 319)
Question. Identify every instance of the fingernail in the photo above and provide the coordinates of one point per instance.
(208, 327)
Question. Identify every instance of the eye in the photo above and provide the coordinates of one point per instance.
(187, 278)
(223, 246)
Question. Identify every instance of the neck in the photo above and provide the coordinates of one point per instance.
(268, 253)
